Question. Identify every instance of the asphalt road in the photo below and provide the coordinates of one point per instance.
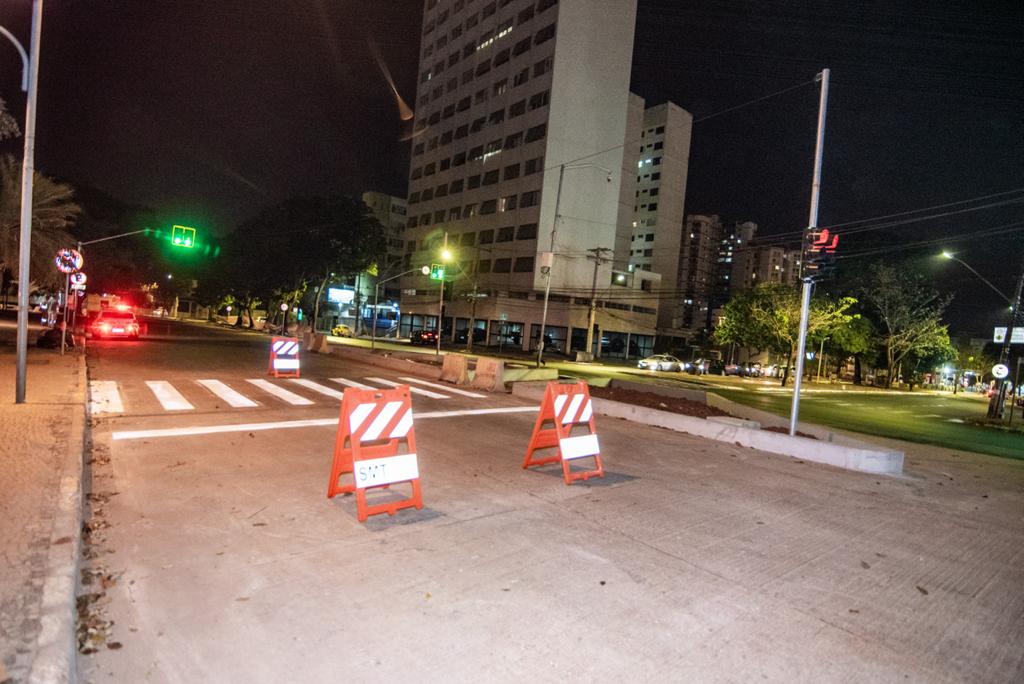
(217, 556)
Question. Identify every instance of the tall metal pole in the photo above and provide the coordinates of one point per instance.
(551, 264)
(995, 409)
(376, 301)
(805, 296)
(440, 302)
(27, 174)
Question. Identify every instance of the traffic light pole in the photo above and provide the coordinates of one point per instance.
(440, 304)
(995, 409)
(805, 299)
(30, 83)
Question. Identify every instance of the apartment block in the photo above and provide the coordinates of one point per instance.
(518, 167)
(754, 265)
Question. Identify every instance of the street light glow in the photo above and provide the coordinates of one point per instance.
(947, 254)
(446, 255)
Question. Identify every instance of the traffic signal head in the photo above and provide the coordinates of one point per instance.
(183, 236)
(819, 254)
(437, 271)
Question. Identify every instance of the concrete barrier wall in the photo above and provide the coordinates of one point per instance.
(489, 375)
(863, 458)
(454, 369)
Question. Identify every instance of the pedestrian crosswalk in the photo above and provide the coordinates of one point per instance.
(110, 397)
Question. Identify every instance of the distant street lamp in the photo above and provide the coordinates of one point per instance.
(30, 84)
(952, 257)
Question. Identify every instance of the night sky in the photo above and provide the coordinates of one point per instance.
(212, 109)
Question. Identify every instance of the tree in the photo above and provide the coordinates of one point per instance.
(856, 339)
(907, 314)
(767, 317)
(8, 124)
(53, 213)
(292, 247)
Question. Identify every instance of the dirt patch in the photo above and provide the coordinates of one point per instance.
(785, 431)
(685, 407)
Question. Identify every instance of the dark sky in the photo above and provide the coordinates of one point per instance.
(210, 110)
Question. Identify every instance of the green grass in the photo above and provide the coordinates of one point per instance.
(924, 419)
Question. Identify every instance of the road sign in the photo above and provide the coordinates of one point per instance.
(78, 278)
(1000, 371)
(999, 336)
(68, 261)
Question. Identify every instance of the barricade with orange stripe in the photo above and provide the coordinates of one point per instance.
(374, 427)
(566, 407)
(284, 357)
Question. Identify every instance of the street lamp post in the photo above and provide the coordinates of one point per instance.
(445, 256)
(376, 299)
(995, 407)
(29, 83)
(551, 255)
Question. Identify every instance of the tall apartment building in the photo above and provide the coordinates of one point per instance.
(757, 264)
(702, 237)
(658, 241)
(510, 131)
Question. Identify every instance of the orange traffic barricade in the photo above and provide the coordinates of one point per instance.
(284, 357)
(376, 444)
(566, 408)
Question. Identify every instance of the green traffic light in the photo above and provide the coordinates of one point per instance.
(183, 236)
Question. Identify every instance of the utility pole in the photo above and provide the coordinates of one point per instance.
(808, 282)
(995, 408)
(472, 319)
(30, 83)
(597, 255)
(440, 301)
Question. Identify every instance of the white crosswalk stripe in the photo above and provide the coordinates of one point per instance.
(351, 383)
(317, 387)
(453, 390)
(170, 398)
(414, 390)
(104, 398)
(280, 392)
(234, 398)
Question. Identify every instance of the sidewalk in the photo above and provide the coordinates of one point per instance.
(40, 514)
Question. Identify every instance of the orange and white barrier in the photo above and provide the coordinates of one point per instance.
(284, 357)
(376, 443)
(566, 407)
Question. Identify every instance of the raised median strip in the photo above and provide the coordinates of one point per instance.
(850, 454)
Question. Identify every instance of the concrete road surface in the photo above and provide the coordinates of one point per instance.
(691, 561)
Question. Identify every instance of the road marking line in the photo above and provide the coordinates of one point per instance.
(234, 398)
(170, 398)
(317, 387)
(454, 390)
(928, 415)
(351, 383)
(104, 397)
(280, 392)
(955, 420)
(414, 390)
(280, 425)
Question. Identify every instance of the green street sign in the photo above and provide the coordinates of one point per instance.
(183, 236)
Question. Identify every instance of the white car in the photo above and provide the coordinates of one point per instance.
(661, 362)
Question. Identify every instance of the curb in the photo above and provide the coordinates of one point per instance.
(56, 660)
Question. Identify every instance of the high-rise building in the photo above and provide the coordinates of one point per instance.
(658, 241)
(757, 264)
(518, 165)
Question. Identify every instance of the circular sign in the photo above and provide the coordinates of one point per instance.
(284, 307)
(1000, 370)
(68, 261)
(78, 278)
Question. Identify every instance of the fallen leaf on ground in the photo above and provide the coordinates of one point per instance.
(922, 590)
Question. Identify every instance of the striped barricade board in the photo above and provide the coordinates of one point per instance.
(565, 410)
(376, 445)
(284, 357)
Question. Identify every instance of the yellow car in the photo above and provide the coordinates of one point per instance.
(341, 330)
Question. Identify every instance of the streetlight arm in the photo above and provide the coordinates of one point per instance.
(983, 279)
(24, 58)
(112, 237)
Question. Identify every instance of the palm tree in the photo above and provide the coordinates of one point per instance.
(53, 213)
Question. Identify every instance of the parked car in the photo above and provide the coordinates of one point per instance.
(341, 330)
(715, 368)
(660, 362)
(113, 323)
(424, 337)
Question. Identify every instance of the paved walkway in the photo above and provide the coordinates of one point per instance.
(40, 504)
